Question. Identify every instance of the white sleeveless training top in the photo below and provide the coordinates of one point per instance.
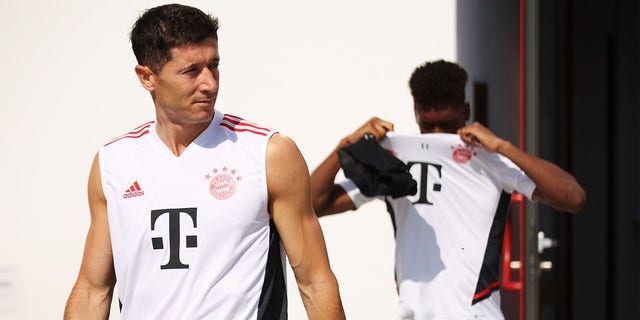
(449, 235)
(191, 235)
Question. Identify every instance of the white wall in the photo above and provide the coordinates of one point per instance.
(315, 70)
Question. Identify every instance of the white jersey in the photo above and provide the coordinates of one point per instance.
(191, 235)
(449, 235)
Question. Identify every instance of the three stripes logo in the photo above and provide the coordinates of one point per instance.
(238, 124)
(134, 134)
(133, 191)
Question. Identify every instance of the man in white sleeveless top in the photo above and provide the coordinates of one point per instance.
(194, 212)
(449, 234)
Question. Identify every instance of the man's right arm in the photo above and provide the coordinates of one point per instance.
(91, 295)
(328, 197)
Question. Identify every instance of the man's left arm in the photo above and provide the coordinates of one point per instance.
(299, 229)
(554, 186)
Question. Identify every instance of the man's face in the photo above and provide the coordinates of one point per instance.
(444, 120)
(186, 88)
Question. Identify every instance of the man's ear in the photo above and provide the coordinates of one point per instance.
(467, 112)
(145, 75)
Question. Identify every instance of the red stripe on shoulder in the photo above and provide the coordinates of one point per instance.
(134, 134)
(238, 124)
(236, 129)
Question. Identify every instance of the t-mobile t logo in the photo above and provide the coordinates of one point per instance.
(174, 235)
(424, 173)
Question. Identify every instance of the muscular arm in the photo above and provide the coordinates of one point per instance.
(91, 295)
(328, 197)
(554, 186)
(297, 224)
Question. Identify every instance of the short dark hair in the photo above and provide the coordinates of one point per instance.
(162, 28)
(438, 84)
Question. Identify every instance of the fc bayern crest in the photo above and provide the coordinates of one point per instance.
(462, 154)
(223, 182)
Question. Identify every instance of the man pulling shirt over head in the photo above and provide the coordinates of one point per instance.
(449, 234)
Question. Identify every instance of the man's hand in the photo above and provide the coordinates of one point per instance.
(477, 134)
(375, 126)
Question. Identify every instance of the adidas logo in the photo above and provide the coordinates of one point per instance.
(133, 191)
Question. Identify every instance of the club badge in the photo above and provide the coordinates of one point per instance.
(462, 154)
(223, 182)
